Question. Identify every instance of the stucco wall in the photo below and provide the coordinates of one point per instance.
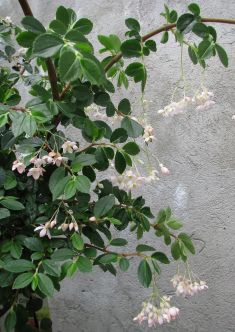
(198, 148)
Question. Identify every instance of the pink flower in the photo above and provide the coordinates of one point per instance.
(19, 166)
(38, 162)
(187, 287)
(44, 230)
(164, 169)
(35, 172)
(57, 158)
(148, 134)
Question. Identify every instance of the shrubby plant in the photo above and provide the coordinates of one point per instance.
(59, 207)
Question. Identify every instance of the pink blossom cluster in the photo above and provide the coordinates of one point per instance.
(38, 163)
(202, 101)
(187, 287)
(72, 225)
(148, 134)
(130, 180)
(157, 315)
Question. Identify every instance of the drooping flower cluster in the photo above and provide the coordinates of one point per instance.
(130, 180)
(148, 134)
(69, 147)
(157, 315)
(201, 101)
(37, 170)
(175, 108)
(187, 287)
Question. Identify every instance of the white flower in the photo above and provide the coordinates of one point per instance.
(19, 166)
(203, 100)
(57, 158)
(69, 147)
(164, 169)
(44, 230)
(47, 159)
(92, 219)
(187, 287)
(8, 20)
(35, 172)
(175, 108)
(148, 134)
(38, 162)
(53, 223)
(233, 117)
(64, 227)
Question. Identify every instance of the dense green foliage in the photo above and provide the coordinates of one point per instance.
(63, 192)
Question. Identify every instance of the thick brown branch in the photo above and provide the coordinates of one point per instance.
(167, 27)
(50, 66)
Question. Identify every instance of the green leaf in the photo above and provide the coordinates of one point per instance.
(33, 244)
(51, 268)
(10, 321)
(151, 45)
(119, 135)
(175, 250)
(124, 264)
(192, 55)
(120, 162)
(108, 258)
(26, 38)
(84, 160)
(131, 148)
(45, 285)
(118, 242)
(4, 213)
(16, 250)
(57, 175)
(84, 264)
(69, 66)
(3, 119)
(124, 106)
(70, 188)
(18, 266)
(132, 24)
(23, 280)
(58, 27)
(62, 254)
(165, 37)
(187, 242)
(222, 55)
(92, 69)
(200, 30)
(133, 128)
(194, 8)
(83, 184)
(104, 205)
(59, 188)
(205, 49)
(47, 45)
(144, 273)
(144, 247)
(23, 123)
(173, 16)
(62, 15)
(138, 71)
(30, 23)
(10, 181)
(174, 224)
(83, 25)
(161, 257)
(184, 21)
(12, 204)
(77, 241)
(131, 48)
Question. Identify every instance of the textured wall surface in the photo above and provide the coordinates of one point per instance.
(198, 147)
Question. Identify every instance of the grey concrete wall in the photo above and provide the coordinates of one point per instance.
(198, 148)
